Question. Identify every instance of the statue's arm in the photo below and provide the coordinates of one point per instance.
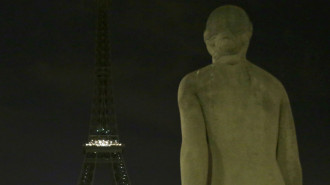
(194, 148)
(287, 147)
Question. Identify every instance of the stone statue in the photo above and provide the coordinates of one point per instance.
(236, 120)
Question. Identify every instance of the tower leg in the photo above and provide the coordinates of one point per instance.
(87, 172)
(119, 169)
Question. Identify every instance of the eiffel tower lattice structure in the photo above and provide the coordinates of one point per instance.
(103, 145)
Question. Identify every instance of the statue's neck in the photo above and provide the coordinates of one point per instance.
(229, 59)
(233, 59)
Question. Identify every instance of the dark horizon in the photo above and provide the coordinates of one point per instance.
(47, 61)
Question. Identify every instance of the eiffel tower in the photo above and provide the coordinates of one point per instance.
(103, 146)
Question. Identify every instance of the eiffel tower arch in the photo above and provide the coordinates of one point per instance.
(103, 145)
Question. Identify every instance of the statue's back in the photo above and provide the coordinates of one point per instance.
(241, 106)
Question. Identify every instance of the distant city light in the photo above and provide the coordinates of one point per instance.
(103, 143)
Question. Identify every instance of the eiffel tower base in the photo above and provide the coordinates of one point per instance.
(111, 156)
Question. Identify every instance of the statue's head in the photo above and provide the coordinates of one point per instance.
(228, 31)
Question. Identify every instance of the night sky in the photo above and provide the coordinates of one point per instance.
(46, 86)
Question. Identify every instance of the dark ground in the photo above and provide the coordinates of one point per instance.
(46, 72)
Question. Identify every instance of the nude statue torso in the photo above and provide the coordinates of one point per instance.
(240, 104)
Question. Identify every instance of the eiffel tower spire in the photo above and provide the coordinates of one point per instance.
(103, 118)
(103, 146)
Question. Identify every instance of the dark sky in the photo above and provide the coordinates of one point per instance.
(46, 86)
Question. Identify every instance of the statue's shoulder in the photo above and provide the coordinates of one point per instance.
(194, 76)
(186, 86)
(264, 77)
(190, 81)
